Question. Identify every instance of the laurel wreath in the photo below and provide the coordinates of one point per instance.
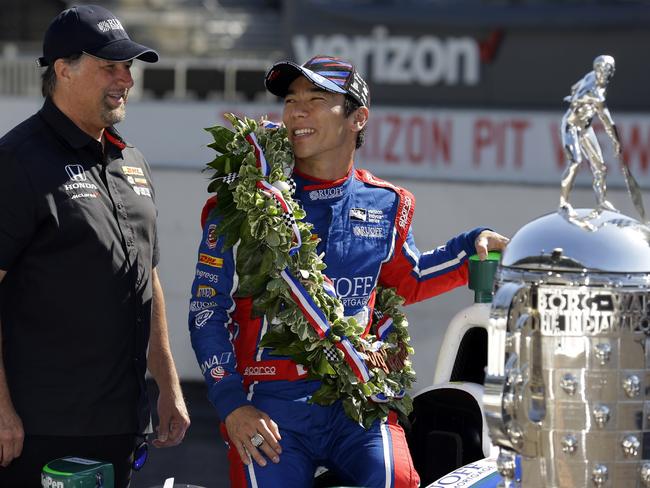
(249, 217)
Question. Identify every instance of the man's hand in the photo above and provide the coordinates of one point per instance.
(243, 424)
(489, 241)
(11, 435)
(173, 417)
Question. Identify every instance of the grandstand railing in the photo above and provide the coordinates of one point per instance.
(228, 80)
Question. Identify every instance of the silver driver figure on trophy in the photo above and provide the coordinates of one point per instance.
(587, 100)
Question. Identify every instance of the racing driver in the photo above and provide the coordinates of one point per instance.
(276, 437)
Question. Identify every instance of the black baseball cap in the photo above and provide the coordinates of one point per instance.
(92, 30)
(327, 72)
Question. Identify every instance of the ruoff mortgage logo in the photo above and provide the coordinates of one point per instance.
(325, 193)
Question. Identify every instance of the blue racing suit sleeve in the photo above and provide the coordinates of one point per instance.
(418, 276)
(212, 330)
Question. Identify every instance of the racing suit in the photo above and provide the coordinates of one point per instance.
(363, 224)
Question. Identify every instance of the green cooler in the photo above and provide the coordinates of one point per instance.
(75, 472)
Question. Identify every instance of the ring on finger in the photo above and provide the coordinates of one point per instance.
(257, 440)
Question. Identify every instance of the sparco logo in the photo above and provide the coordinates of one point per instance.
(47, 482)
(404, 213)
(400, 60)
(326, 193)
(259, 371)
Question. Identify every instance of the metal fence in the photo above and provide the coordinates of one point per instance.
(229, 80)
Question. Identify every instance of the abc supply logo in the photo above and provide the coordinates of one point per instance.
(202, 317)
(210, 260)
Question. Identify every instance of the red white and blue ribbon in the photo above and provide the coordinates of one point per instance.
(384, 327)
(321, 325)
(328, 287)
(310, 310)
(267, 124)
(272, 192)
(259, 154)
(353, 358)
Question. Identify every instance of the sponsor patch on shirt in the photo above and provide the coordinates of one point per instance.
(211, 240)
(143, 191)
(368, 231)
(218, 373)
(197, 305)
(375, 216)
(78, 185)
(210, 260)
(76, 172)
(260, 371)
(132, 171)
(134, 180)
(211, 277)
(215, 360)
(325, 193)
(360, 214)
(354, 291)
(202, 317)
(204, 291)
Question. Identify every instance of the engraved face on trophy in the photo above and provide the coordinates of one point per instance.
(568, 372)
(604, 69)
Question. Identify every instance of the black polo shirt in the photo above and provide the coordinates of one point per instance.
(78, 242)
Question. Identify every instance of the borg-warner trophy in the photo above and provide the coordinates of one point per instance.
(567, 391)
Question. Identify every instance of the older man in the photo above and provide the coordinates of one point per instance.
(80, 298)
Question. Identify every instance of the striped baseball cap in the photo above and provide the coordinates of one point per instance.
(327, 72)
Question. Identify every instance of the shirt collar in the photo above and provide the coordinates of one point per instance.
(314, 190)
(68, 130)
